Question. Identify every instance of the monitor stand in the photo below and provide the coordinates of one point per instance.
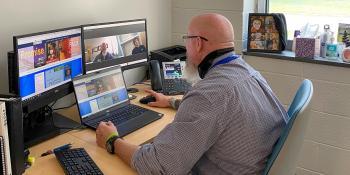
(47, 130)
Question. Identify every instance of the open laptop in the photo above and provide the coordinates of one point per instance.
(102, 96)
(173, 81)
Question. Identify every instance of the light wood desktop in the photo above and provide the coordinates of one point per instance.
(109, 164)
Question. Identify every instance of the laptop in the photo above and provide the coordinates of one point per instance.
(173, 81)
(102, 96)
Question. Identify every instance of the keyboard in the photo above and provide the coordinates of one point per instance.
(77, 162)
(126, 113)
(123, 114)
(175, 86)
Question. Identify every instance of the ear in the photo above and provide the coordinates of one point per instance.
(199, 44)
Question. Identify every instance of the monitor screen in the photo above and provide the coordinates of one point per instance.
(173, 70)
(100, 90)
(121, 43)
(47, 60)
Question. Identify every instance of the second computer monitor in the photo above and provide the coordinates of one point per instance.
(121, 43)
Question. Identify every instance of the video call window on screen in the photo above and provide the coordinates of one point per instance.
(114, 47)
(118, 43)
(48, 60)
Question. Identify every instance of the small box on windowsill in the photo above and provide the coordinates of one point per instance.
(307, 47)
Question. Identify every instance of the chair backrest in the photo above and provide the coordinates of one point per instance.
(285, 153)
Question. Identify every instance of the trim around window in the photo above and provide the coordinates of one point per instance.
(263, 6)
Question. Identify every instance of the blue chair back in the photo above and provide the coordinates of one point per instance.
(300, 102)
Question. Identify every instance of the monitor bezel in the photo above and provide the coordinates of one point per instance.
(40, 100)
(107, 64)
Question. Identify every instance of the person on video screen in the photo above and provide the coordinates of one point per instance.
(139, 48)
(104, 54)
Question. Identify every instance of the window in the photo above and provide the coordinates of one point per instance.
(300, 12)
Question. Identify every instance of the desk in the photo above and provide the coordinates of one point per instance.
(109, 164)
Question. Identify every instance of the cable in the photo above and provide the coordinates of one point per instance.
(53, 103)
(64, 107)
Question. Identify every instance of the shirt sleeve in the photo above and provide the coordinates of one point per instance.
(181, 144)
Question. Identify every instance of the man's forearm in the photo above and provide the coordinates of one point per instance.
(125, 150)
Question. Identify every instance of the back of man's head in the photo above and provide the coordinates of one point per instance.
(206, 33)
(214, 27)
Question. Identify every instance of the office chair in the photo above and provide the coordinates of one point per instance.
(285, 153)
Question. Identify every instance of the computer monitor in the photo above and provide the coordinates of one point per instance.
(44, 65)
(41, 70)
(121, 43)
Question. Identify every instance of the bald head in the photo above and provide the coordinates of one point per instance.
(213, 32)
(215, 27)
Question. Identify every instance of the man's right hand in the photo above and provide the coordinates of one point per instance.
(162, 101)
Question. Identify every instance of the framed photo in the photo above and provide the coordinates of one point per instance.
(263, 35)
(344, 34)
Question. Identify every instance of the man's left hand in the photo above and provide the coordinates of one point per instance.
(103, 131)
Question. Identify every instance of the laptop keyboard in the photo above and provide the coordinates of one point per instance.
(123, 114)
(175, 86)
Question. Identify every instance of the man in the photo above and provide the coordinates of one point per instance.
(139, 48)
(226, 124)
(104, 54)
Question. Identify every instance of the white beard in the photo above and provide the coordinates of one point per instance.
(191, 73)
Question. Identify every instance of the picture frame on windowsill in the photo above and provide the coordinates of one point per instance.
(264, 34)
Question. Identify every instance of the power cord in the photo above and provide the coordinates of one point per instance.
(64, 107)
(53, 104)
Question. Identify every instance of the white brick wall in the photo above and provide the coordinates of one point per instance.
(235, 10)
(326, 149)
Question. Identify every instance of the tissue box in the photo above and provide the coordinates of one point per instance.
(307, 47)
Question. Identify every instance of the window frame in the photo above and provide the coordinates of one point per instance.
(263, 6)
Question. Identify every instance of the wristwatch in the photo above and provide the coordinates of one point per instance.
(110, 143)
(172, 102)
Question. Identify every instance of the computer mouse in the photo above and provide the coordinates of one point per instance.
(147, 99)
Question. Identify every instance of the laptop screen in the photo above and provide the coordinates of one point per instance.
(100, 90)
(173, 70)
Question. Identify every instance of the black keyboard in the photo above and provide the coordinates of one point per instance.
(126, 113)
(123, 114)
(175, 86)
(77, 162)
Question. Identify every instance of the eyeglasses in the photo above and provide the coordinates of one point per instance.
(193, 36)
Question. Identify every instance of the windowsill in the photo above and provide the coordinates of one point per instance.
(289, 55)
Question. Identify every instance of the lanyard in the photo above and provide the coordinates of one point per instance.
(225, 60)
